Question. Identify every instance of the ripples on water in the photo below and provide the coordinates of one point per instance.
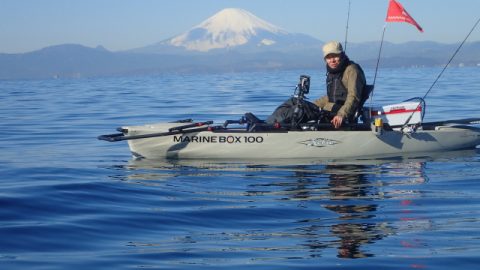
(69, 201)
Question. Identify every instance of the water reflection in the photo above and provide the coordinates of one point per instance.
(350, 194)
(345, 207)
(346, 190)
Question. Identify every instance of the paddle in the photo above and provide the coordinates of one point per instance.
(172, 131)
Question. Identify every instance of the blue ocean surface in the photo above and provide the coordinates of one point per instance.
(70, 201)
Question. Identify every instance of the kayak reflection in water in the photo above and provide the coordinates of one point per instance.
(351, 196)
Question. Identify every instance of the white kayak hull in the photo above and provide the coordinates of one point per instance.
(240, 144)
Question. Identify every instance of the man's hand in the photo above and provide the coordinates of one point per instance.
(337, 121)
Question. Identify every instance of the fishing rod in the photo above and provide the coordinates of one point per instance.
(441, 73)
(346, 28)
(379, 54)
(376, 68)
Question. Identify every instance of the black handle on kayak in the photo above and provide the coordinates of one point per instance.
(198, 124)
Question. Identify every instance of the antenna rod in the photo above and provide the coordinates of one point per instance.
(346, 28)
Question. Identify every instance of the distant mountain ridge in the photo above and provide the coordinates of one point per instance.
(231, 40)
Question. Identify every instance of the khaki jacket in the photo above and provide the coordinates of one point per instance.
(354, 81)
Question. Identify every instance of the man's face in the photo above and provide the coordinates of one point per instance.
(333, 60)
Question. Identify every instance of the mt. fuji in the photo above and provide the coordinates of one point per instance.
(233, 28)
(228, 28)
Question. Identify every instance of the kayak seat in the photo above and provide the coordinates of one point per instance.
(367, 90)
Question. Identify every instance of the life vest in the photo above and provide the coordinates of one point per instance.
(336, 91)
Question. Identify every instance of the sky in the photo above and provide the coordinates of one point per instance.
(28, 25)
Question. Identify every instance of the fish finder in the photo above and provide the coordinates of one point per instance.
(303, 86)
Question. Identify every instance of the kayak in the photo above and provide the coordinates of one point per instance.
(381, 131)
(187, 139)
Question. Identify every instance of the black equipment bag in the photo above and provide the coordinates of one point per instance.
(294, 111)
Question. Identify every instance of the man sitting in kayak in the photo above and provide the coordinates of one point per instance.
(346, 92)
(345, 84)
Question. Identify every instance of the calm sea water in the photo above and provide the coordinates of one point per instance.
(69, 201)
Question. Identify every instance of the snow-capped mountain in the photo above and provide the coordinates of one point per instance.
(232, 28)
(228, 28)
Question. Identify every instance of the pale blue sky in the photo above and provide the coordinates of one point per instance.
(27, 25)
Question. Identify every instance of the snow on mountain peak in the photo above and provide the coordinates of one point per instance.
(227, 28)
(236, 20)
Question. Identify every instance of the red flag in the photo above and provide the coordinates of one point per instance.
(396, 13)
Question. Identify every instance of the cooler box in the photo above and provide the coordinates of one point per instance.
(397, 114)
